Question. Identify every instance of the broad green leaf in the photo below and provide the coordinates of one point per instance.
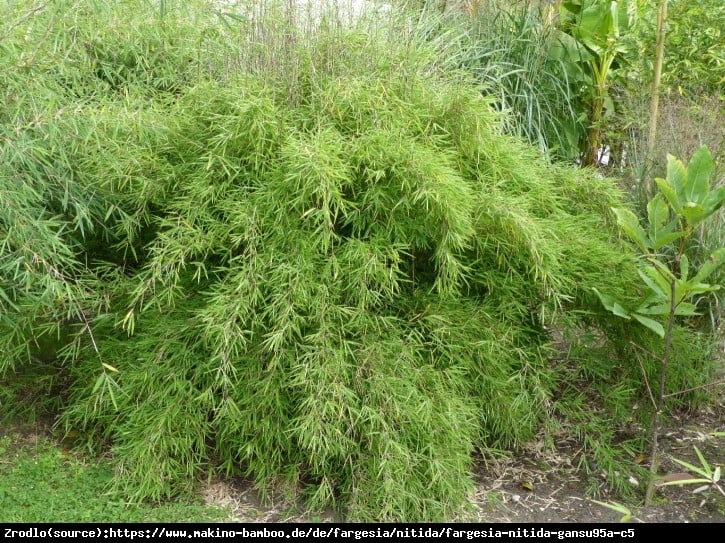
(658, 213)
(573, 57)
(713, 262)
(663, 270)
(714, 200)
(677, 177)
(620, 311)
(687, 309)
(670, 193)
(622, 17)
(698, 176)
(700, 288)
(653, 325)
(684, 267)
(683, 291)
(595, 27)
(684, 308)
(693, 212)
(610, 304)
(665, 237)
(654, 280)
(654, 309)
(630, 224)
(573, 6)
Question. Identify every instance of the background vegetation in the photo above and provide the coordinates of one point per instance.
(312, 251)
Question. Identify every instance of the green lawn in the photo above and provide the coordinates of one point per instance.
(40, 482)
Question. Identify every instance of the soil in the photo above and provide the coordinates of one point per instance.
(540, 486)
(543, 487)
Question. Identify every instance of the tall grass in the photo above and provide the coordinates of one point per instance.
(513, 50)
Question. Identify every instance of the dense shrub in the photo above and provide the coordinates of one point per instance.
(320, 263)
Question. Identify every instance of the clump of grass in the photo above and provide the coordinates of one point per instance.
(513, 50)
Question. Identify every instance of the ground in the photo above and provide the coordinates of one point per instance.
(539, 487)
(542, 487)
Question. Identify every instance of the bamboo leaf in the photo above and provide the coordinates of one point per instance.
(7, 299)
(707, 471)
(619, 508)
(702, 488)
(693, 468)
(684, 481)
(677, 478)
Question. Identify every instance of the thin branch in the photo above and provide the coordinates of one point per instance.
(646, 382)
(649, 390)
(643, 349)
(644, 374)
(87, 326)
(721, 381)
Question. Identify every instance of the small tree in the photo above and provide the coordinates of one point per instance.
(685, 200)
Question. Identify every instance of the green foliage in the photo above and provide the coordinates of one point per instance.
(686, 196)
(591, 46)
(696, 54)
(551, 66)
(707, 474)
(511, 49)
(319, 262)
(694, 62)
(625, 511)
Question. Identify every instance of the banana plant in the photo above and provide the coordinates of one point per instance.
(685, 199)
(589, 47)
